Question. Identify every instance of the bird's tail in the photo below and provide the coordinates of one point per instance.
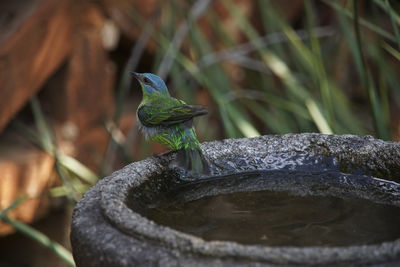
(192, 159)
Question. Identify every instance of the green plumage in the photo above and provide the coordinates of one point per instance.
(169, 121)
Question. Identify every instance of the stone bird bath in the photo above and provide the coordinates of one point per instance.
(109, 228)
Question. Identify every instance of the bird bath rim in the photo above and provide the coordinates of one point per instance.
(188, 243)
(295, 152)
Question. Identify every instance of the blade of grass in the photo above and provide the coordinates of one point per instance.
(42, 239)
(261, 42)
(46, 138)
(336, 107)
(391, 50)
(47, 143)
(66, 161)
(228, 126)
(37, 140)
(393, 17)
(272, 100)
(362, 21)
(366, 79)
(385, 5)
(273, 121)
(318, 65)
(63, 253)
(17, 201)
(77, 168)
(64, 165)
(198, 8)
(220, 85)
(61, 191)
(277, 66)
(318, 118)
(386, 72)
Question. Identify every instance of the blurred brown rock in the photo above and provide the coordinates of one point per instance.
(34, 40)
(42, 38)
(25, 170)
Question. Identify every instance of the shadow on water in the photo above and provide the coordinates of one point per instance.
(275, 208)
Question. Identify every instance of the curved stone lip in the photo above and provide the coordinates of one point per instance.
(114, 192)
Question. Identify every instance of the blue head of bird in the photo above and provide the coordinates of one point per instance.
(151, 84)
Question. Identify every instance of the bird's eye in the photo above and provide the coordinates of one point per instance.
(146, 80)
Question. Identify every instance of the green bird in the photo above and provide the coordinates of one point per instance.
(169, 121)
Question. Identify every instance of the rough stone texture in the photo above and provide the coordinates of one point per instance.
(105, 232)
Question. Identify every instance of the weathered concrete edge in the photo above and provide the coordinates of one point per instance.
(114, 207)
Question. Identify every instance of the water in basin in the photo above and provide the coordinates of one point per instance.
(261, 216)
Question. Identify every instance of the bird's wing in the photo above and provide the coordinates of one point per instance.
(165, 114)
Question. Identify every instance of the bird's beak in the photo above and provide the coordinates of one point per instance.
(138, 76)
